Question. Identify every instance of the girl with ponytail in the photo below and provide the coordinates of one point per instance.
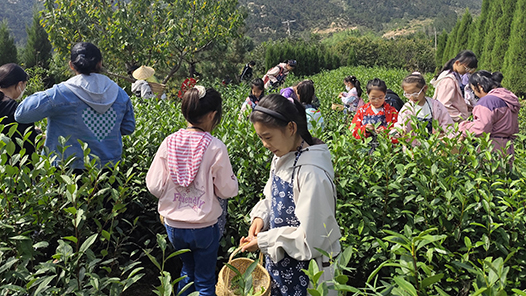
(496, 113)
(192, 176)
(449, 89)
(297, 216)
(352, 98)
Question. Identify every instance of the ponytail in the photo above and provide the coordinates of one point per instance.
(486, 80)
(198, 101)
(356, 83)
(277, 111)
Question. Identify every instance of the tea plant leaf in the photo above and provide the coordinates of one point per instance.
(88, 243)
(176, 253)
(432, 280)
(519, 292)
(406, 286)
(44, 284)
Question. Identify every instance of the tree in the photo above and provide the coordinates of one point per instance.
(514, 69)
(480, 30)
(462, 38)
(490, 33)
(8, 52)
(441, 46)
(449, 51)
(159, 33)
(38, 48)
(502, 35)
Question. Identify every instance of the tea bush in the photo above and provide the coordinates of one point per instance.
(418, 221)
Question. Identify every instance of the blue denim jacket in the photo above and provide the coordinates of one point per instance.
(69, 116)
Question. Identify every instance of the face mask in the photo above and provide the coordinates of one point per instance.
(347, 88)
(21, 94)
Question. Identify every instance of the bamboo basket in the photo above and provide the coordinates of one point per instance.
(337, 107)
(260, 276)
(157, 88)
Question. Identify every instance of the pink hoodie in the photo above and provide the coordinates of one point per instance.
(447, 92)
(497, 114)
(190, 170)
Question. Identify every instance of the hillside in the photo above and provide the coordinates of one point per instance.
(18, 14)
(265, 18)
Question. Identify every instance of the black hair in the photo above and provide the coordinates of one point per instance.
(252, 63)
(486, 80)
(464, 57)
(292, 63)
(194, 108)
(258, 82)
(305, 91)
(11, 74)
(414, 77)
(355, 82)
(378, 84)
(85, 58)
(285, 112)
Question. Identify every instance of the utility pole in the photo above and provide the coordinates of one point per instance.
(288, 25)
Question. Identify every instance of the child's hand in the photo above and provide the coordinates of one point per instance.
(369, 127)
(256, 227)
(380, 128)
(340, 95)
(250, 245)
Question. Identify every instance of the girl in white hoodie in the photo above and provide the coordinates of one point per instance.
(297, 216)
(190, 171)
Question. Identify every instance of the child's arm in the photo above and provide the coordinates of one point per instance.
(482, 122)
(158, 174)
(315, 210)
(225, 182)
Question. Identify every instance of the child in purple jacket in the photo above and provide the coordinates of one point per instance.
(496, 113)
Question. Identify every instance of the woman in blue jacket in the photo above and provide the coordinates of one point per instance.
(88, 107)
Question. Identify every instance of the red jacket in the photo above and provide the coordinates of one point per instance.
(366, 115)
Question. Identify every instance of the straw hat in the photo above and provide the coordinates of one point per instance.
(143, 73)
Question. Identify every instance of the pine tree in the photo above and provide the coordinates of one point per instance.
(449, 52)
(461, 42)
(490, 32)
(480, 30)
(502, 35)
(514, 69)
(8, 52)
(38, 47)
(441, 46)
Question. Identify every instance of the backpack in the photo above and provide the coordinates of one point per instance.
(280, 77)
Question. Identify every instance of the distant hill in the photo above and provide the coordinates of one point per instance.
(18, 14)
(265, 17)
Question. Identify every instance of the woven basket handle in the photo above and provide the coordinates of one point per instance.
(239, 249)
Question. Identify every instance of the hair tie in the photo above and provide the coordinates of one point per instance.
(290, 100)
(202, 91)
(272, 113)
(416, 73)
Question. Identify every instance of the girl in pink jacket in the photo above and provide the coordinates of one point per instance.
(449, 89)
(420, 108)
(189, 173)
(496, 113)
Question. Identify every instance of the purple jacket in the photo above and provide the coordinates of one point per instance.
(289, 93)
(497, 114)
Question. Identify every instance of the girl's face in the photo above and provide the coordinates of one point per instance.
(415, 93)
(349, 84)
(279, 141)
(376, 97)
(462, 68)
(256, 91)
